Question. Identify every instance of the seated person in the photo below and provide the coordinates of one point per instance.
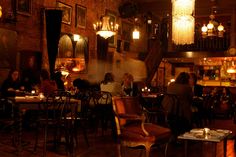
(81, 85)
(129, 88)
(12, 84)
(177, 102)
(109, 85)
(47, 86)
(59, 81)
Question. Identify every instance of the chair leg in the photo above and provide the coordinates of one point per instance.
(166, 149)
(148, 148)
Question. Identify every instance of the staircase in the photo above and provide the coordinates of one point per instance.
(157, 46)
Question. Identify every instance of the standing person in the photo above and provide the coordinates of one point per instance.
(177, 102)
(12, 84)
(47, 86)
(109, 85)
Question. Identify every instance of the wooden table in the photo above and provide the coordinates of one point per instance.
(214, 136)
(24, 103)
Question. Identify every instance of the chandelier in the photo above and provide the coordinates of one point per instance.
(213, 28)
(105, 28)
(183, 21)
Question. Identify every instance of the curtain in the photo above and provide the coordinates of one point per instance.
(53, 31)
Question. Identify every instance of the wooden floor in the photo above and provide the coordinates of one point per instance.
(104, 146)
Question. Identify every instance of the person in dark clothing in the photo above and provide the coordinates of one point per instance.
(59, 81)
(197, 89)
(12, 84)
(81, 84)
(30, 75)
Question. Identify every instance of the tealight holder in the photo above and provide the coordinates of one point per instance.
(206, 131)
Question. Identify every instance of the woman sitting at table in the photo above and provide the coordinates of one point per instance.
(109, 85)
(47, 86)
(12, 84)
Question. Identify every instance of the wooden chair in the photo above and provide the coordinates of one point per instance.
(103, 113)
(58, 115)
(132, 130)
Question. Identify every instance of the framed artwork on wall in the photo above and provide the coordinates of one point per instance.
(80, 16)
(112, 15)
(24, 7)
(67, 12)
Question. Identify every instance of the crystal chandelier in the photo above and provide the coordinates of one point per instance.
(213, 28)
(105, 28)
(183, 21)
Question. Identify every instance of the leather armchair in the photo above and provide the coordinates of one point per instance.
(131, 128)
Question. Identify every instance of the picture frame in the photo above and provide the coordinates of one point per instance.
(80, 16)
(112, 15)
(66, 12)
(24, 7)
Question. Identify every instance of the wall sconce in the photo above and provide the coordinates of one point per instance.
(76, 37)
(136, 34)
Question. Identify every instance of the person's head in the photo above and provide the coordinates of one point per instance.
(57, 75)
(44, 74)
(192, 79)
(13, 75)
(127, 78)
(182, 78)
(108, 78)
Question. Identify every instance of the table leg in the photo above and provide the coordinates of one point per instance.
(214, 149)
(225, 147)
(19, 133)
(185, 148)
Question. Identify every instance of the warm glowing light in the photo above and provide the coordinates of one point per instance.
(105, 29)
(210, 25)
(75, 69)
(183, 7)
(76, 37)
(136, 34)
(65, 73)
(183, 30)
(183, 22)
(213, 28)
(231, 70)
(0, 11)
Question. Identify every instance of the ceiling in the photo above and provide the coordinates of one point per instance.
(162, 8)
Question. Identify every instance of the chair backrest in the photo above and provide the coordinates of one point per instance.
(101, 98)
(170, 104)
(125, 105)
(6, 108)
(56, 107)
